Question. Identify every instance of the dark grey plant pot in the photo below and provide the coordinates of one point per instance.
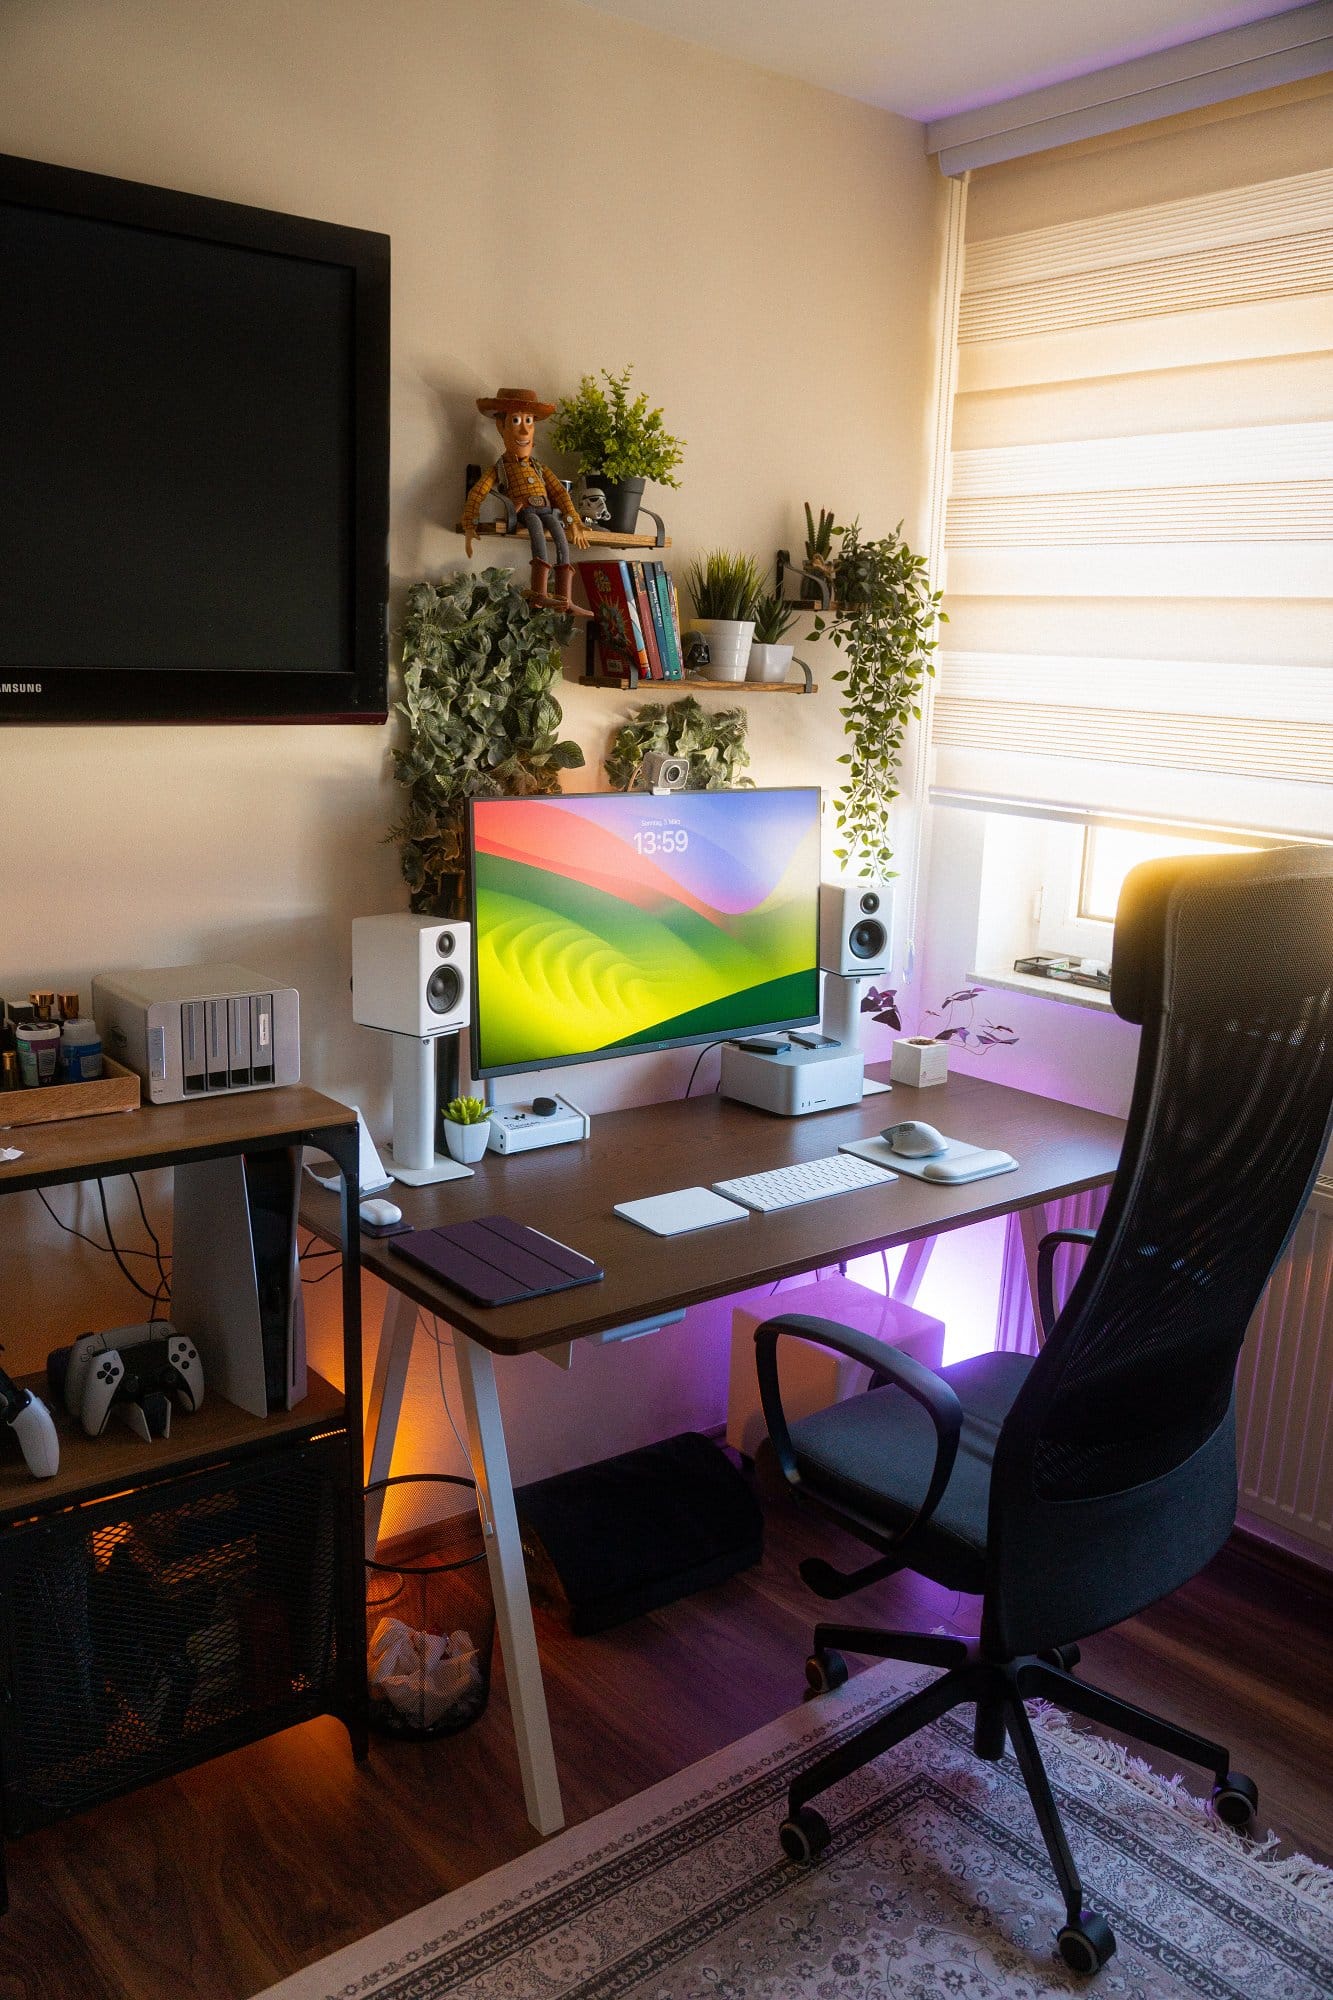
(624, 497)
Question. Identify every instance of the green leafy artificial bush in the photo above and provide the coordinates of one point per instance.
(712, 740)
(612, 435)
(478, 666)
(884, 619)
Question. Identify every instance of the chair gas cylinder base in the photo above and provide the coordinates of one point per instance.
(1072, 1488)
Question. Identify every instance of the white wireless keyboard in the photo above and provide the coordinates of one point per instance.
(811, 1180)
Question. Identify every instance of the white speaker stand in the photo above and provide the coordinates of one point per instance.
(840, 1016)
(412, 1158)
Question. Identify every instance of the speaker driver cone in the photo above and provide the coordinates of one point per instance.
(444, 989)
(867, 940)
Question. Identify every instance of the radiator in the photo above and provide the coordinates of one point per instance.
(1284, 1385)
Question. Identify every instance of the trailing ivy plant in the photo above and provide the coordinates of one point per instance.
(712, 740)
(883, 620)
(478, 665)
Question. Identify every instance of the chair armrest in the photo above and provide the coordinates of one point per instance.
(1046, 1250)
(922, 1384)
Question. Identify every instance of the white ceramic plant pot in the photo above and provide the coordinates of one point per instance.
(728, 642)
(768, 663)
(466, 1143)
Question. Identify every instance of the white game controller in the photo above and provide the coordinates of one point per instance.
(136, 1369)
(33, 1427)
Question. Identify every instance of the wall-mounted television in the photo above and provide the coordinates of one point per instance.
(613, 923)
(193, 457)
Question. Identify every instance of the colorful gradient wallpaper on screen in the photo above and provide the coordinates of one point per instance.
(623, 920)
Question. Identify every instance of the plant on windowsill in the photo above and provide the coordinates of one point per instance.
(478, 665)
(620, 443)
(467, 1129)
(712, 742)
(883, 621)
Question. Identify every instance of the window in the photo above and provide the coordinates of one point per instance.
(1109, 852)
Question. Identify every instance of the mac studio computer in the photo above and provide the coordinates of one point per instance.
(617, 923)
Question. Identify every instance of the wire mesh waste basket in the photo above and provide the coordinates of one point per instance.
(431, 1626)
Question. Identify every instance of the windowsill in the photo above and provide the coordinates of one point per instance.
(1045, 989)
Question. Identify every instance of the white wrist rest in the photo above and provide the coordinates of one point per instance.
(972, 1166)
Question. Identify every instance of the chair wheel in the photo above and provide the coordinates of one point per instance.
(1086, 1945)
(1236, 1801)
(1064, 1657)
(824, 1671)
(805, 1835)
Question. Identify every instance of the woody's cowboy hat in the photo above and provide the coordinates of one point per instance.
(514, 399)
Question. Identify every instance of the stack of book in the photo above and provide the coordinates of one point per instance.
(637, 620)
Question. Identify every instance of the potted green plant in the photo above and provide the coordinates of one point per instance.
(711, 740)
(818, 563)
(478, 665)
(769, 657)
(467, 1129)
(619, 442)
(723, 588)
(883, 620)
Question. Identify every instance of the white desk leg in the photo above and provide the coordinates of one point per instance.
(386, 1402)
(509, 1582)
(1032, 1227)
(912, 1270)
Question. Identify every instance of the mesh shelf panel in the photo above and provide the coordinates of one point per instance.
(144, 1634)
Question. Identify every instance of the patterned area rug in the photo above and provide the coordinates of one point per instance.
(936, 1887)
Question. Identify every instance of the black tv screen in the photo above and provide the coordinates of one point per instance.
(193, 457)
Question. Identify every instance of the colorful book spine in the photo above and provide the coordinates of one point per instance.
(675, 620)
(672, 664)
(642, 632)
(646, 620)
(616, 619)
(655, 606)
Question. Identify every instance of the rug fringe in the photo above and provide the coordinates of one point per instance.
(1298, 1873)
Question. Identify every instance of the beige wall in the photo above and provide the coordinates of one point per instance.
(564, 193)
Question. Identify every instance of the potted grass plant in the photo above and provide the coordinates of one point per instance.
(619, 442)
(723, 589)
(467, 1129)
(769, 656)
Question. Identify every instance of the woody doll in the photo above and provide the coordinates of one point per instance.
(536, 495)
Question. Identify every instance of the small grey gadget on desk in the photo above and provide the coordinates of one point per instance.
(685, 1209)
(956, 1162)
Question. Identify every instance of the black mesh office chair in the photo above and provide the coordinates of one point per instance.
(1070, 1489)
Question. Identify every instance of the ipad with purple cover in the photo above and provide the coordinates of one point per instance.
(495, 1261)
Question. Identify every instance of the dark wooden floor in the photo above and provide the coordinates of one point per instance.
(219, 1882)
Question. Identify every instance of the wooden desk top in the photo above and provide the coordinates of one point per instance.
(161, 1134)
(568, 1191)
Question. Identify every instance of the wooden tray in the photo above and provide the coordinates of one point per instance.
(117, 1089)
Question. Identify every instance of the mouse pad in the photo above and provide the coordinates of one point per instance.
(956, 1155)
(495, 1261)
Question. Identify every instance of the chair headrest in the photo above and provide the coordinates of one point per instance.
(1288, 941)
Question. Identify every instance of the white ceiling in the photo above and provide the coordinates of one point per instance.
(929, 58)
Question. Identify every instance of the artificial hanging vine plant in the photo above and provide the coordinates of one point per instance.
(478, 664)
(883, 620)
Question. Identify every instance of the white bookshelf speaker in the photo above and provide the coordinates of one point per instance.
(855, 928)
(411, 975)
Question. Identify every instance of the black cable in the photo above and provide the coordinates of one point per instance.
(164, 1277)
(697, 1060)
(115, 1249)
(91, 1241)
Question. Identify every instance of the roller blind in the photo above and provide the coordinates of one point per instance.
(1139, 532)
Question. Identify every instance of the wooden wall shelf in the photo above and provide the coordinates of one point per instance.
(603, 539)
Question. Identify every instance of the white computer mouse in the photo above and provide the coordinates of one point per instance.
(914, 1139)
(379, 1213)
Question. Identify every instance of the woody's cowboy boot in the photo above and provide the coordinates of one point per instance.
(562, 595)
(537, 587)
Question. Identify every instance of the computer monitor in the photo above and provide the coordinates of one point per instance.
(620, 922)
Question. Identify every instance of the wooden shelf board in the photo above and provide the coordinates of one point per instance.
(693, 681)
(605, 538)
(118, 1459)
